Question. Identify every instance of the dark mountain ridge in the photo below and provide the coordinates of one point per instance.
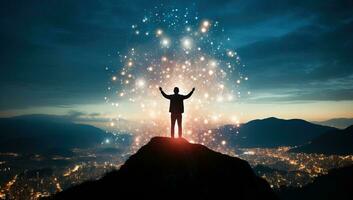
(43, 135)
(339, 142)
(341, 123)
(272, 132)
(170, 168)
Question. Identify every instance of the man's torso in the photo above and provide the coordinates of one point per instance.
(176, 104)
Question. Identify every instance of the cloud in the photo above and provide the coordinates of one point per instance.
(310, 56)
(54, 53)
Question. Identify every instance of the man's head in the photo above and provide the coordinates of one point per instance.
(176, 90)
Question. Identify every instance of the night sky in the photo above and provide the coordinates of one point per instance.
(298, 54)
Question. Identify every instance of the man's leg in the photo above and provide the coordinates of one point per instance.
(172, 124)
(180, 128)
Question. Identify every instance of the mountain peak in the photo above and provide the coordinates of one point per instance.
(272, 118)
(337, 142)
(349, 128)
(273, 132)
(167, 167)
(275, 119)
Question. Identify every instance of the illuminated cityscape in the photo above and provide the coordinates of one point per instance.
(36, 176)
(291, 169)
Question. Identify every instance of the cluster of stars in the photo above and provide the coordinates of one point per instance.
(183, 52)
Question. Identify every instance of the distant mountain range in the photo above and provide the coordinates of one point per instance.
(44, 118)
(174, 168)
(337, 184)
(272, 132)
(48, 135)
(341, 123)
(333, 142)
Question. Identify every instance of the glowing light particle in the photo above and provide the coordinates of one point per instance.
(205, 26)
(213, 63)
(165, 42)
(140, 83)
(205, 23)
(186, 43)
(159, 32)
(114, 78)
(234, 119)
(214, 118)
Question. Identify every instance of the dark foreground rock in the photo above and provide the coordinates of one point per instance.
(174, 168)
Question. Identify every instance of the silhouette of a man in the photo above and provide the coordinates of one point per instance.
(176, 108)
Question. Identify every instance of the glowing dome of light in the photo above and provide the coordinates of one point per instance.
(186, 52)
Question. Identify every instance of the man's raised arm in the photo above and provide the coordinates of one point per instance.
(190, 93)
(164, 94)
